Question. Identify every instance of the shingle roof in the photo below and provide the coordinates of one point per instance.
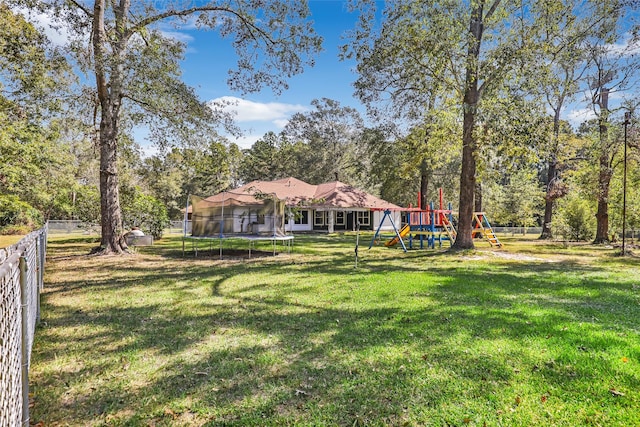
(334, 194)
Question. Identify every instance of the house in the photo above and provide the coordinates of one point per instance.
(333, 206)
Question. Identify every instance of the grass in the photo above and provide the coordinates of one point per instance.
(534, 334)
(8, 240)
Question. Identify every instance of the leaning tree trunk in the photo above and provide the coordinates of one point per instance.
(464, 239)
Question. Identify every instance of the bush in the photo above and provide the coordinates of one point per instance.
(145, 212)
(18, 217)
(87, 206)
(574, 220)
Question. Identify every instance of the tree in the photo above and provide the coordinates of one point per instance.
(203, 169)
(558, 78)
(331, 132)
(575, 219)
(263, 161)
(31, 72)
(512, 137)
(430, 153)
(164, 178)
(137, 67)
(33, 166)
(613, 68)
(522, 198)
(422, 42)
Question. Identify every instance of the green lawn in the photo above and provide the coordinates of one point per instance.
(533, 334)
(9, 240)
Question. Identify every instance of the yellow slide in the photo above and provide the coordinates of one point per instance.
(403, 232)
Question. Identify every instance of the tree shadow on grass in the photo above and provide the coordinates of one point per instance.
(272, 344)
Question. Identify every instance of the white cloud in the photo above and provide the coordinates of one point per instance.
(58, 34)
(628, 46)
(245, 141)
(178, 36)
(249, 111)
(281, 123)
(577, 116)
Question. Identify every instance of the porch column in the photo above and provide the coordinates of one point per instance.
(331, 220)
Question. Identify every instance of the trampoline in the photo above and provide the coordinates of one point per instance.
(247, 216)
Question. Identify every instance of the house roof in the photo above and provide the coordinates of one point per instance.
(238, 198)
(290, 189)
(334, 194)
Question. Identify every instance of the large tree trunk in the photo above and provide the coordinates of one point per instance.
(464, 239)
(111, 216)
(549, 200)
(602, 214)
(604, 176)
(552, 173)
(109, 93)
(477, 205)
(424, 184)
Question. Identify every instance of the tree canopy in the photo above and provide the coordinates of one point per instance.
(136, 69)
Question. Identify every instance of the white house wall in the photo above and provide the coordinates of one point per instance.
(291, 226)
(387, 226)
(242, 222)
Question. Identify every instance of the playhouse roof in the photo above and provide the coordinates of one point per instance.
(334, 194)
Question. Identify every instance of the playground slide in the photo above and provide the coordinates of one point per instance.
(403, 232)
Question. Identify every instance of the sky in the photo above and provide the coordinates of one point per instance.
(208, 60)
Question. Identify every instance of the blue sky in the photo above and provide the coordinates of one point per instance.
(209, 58)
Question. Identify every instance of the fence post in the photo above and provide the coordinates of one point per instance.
(37, 276)
(25, 344)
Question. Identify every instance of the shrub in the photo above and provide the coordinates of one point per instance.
(145, 212)
(17, 217)
(575, 220)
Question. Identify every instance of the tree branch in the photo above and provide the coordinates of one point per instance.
(98, 36)
(187, 12)
(86, 10)
(155, 109)
(492, 10)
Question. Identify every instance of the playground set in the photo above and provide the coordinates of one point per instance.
(432, 226)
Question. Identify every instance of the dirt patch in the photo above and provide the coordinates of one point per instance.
(518, 257)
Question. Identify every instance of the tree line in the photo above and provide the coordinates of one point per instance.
(467, 96)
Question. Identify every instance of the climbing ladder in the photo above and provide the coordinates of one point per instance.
(448, 227)
(483, 226)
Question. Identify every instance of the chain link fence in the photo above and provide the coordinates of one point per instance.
(21, 280)
(73, 226)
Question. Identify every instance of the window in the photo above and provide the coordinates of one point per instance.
(363, 218)
(260, 219)
(301, 217)
(340, 218)
(320, 218)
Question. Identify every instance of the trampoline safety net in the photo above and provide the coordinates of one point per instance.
(228, 213)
